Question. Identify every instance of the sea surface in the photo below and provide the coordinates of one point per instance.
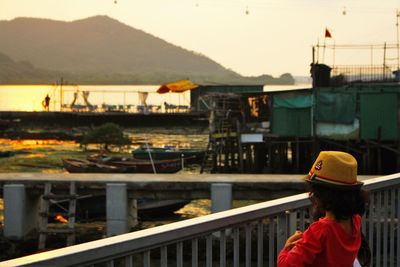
(30, 152)
(32, 149)
(30, 97)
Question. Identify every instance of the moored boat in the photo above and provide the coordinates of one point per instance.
(134, 165)
(84, 166)
(159, 153)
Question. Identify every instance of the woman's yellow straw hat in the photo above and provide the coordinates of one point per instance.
(336, 169)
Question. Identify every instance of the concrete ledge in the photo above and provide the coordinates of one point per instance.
(170, 186)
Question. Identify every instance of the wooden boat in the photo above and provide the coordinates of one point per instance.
(84, 166)
(159, 153)
(6, 153)
(134, 165)
(4, 124)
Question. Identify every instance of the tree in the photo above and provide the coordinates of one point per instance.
(106, 135)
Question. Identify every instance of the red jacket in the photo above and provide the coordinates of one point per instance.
(324, 243)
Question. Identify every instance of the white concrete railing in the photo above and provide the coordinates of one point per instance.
(247, 236)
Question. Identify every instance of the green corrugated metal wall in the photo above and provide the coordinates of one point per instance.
(378, 111)
(377, 108)
(291, 122)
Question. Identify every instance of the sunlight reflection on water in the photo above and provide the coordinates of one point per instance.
(10, 144)
(45, 155)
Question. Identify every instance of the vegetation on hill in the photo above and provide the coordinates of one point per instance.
(102, 50)
(12, 72)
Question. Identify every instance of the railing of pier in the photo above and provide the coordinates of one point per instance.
(247, 236)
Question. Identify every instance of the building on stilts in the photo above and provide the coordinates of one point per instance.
(354, 109)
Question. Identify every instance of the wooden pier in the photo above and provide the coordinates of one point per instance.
(125, 119)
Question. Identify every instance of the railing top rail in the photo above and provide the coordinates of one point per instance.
(145, 178)
(382, 182)
(136, 241)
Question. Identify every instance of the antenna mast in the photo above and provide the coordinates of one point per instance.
(398, 46)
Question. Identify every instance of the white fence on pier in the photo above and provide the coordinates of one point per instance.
(247, 236)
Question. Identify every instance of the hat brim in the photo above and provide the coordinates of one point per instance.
(355, 186)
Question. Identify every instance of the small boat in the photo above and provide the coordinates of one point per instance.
(6, 154)
(4, 124)
(159, 153)
(84, 166)
(134, 165)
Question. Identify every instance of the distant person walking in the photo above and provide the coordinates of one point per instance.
(338, 202)
(46, 103)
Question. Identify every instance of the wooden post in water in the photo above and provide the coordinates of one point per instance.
(239, 141)
(297, 156)
(398, 154)
(379, 150)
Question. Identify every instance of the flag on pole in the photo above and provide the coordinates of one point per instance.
(327, 33)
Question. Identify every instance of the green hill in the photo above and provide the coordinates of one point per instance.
(102, 50)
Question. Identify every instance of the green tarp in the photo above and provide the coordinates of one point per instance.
(291, 115)
(290, 101)
(335, 107)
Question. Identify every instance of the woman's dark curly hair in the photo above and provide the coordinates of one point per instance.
(342, 203)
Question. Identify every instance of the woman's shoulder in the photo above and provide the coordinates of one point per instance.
(319, 227)
(322, 226)
(356, 218)
(326, 226)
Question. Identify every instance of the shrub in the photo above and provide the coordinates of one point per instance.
(106, 135)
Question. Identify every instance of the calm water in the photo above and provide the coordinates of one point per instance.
(30, 97)
(182, 137)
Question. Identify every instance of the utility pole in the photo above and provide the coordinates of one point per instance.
(61, 94)
(398, 46)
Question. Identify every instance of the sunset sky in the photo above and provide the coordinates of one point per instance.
(251, 37)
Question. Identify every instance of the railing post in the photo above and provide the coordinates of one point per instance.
(281, 233)
(286, 226)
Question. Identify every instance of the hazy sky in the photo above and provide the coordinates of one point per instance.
(274, 37)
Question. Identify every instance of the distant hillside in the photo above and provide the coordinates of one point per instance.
(102, 50)
(23, 72)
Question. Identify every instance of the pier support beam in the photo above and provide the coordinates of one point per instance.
(221, 197)
(118, 209)
(133, 212)
(20, 211)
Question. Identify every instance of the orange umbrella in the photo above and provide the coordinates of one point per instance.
(177, 87)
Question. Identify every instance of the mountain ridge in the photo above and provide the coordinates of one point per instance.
(101, 49)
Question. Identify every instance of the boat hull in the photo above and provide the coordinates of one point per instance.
(83, 166)
(159, 153)
(133, 165)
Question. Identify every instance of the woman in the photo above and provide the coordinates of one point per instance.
(339, 202)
